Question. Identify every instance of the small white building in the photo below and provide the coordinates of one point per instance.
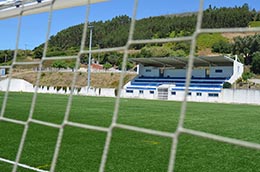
(2, 72)
(164, 78)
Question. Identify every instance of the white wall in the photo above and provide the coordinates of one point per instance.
(238, 70)
(16, 85)
(226, 96)
(240, 96)
(19, 85)
(107, 92)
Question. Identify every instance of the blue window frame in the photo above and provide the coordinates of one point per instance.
(213, 94)
(218, 71)
(199, 94)
(129, 91)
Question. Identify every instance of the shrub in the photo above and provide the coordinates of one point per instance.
(227, 85)
(221, 47)
(60, 64)
(107, 65)
(247, 75)
(43, 74)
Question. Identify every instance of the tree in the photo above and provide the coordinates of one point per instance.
(256, 63)
(246, 46)
(38, 52)
(6, 55)
(222, 47)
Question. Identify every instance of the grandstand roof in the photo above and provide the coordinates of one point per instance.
(181, 62)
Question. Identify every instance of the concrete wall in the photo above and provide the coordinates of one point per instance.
(225, 96)
(199, 73)
(238, 70)
(16, 85)
(19, 85)
(182, 72)
(227, 71)
(149, 71)
(175, 72)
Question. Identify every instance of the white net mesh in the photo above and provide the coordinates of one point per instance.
(114, 124)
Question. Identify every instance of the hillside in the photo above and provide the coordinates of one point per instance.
(114, 32)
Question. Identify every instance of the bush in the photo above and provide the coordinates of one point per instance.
(246, 76)
(227, 85)
(43, 74)
(60, 64)
(221, 47)
(107, 66)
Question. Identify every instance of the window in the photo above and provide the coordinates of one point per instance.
(173, 93)
(148, 70)
(189, 93)
(141, 91)
(213, 94)
(218, 71)
(199, 94)
(129, 91)
(151, 92)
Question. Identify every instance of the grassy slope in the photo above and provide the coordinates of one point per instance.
(98, 80)
(207, 40)
(81, 149)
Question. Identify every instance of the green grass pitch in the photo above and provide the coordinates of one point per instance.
(81, 149)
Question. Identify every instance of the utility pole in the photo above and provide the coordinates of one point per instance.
(89, 55)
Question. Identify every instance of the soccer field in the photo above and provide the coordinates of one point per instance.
(81, 149)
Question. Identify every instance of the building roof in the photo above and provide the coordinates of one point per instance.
(182, 62)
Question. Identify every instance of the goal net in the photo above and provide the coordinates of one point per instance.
(53, 138)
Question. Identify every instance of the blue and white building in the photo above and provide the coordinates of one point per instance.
(164, 78)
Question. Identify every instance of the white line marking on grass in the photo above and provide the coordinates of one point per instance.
(22, 165)
(145, 130)
(222, 139)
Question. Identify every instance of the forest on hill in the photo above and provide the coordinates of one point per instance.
(114, 33)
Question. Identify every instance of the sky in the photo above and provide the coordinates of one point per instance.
(33, 27)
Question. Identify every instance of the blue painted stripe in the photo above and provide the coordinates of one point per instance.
(200, 86)
(146, 84)
(197, 90)
(178, 81)
(206, 78)
(140, 88)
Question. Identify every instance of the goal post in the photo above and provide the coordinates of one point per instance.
(31, 7)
